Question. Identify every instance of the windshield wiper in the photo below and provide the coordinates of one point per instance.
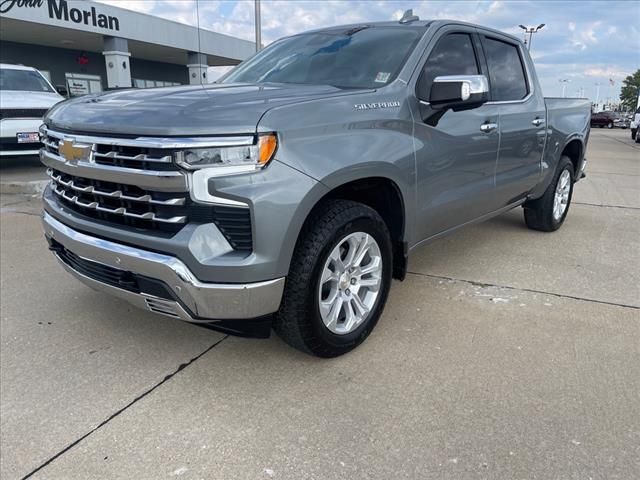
(356, 30)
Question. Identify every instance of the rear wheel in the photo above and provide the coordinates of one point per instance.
(548, 212)
(610, 125)
(338, 282)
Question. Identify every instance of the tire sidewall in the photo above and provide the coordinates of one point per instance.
(379, 232)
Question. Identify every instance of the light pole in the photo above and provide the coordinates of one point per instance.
(564, 82)
(530, 31)
(258, 26)
(597, 93)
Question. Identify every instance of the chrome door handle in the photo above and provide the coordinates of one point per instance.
(538, 122)
(488, 127)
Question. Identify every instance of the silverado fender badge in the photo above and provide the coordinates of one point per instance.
(375, 105)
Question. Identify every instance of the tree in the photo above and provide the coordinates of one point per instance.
(630, 90)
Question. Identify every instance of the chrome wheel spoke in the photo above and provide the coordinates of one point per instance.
(363, 248)
(359, 306)
(373, 266)
(371, 283)
(351, 319)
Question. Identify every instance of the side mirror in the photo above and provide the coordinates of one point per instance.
(62, 90)
(459, 92)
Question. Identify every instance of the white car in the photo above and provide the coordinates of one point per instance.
(635, 123)
(25, 96)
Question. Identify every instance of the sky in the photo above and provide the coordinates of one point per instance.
(583, 42)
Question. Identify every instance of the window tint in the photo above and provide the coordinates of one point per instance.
(505, 69)
(453, 55)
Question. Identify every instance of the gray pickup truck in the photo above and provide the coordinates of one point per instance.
(290, 193)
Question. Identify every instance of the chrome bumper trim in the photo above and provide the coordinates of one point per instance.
(207, 301)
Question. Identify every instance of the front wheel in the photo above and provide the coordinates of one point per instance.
(338, 282)
(548, 212)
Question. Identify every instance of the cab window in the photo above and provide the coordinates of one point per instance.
(506, 70)
(452, 55)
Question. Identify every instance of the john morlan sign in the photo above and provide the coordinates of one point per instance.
(59, 9)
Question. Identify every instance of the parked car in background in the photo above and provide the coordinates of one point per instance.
(603, 119)
(621, 121)
(25, 96)
(300, 183)
(635, 122)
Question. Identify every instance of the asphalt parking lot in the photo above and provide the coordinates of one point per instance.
(506, 354)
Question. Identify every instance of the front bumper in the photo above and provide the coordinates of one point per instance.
(9, 128)
(186, 297)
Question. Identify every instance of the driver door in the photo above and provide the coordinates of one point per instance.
(456, 152)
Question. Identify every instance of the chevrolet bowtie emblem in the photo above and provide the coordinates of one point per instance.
(73, 152)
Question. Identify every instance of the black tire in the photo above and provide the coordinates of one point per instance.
(610, 125)
(298, 322)
(538, 214)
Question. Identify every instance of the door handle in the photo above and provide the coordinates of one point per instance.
(488, 127)
(538, 122)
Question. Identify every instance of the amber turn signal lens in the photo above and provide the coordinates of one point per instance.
(267, 145)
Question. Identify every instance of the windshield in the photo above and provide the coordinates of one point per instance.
(23, 80)
(361, 57)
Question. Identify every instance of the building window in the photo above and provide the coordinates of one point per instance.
(140, 83)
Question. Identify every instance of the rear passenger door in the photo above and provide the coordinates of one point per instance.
(521, 117)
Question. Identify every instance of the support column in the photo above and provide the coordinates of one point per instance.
(116, 58)
(197, 64)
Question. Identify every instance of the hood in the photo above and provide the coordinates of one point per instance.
(22, 99)
(199, 110)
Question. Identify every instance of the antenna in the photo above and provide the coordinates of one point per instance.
(409, 17)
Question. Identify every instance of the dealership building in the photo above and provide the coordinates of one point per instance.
(87, 47)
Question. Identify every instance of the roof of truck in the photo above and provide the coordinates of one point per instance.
(413, 24)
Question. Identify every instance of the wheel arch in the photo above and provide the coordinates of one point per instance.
(574, 149)
(385, 196)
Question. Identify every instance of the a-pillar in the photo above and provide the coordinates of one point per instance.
(197, 64)
(116, 57)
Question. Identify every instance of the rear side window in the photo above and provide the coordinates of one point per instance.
(508, 80)
(453, 55)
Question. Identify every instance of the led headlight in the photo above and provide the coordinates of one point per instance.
(236, 158)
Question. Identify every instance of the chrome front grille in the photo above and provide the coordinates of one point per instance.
(134, 183)
(119, 203)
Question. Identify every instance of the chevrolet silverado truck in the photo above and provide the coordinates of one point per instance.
(291, 192)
